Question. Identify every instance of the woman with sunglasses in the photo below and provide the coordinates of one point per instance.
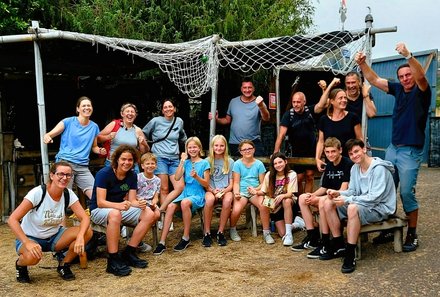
(37, 225)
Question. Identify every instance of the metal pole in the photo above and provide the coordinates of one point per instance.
(369, 26)
(277, 94)
(41, 105)
(214, 88)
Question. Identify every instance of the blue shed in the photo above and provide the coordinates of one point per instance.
(379, 127)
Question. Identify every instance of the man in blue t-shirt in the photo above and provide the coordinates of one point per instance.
(413, 97)
(244, 114)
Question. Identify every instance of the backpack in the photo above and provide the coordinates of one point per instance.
(306, 110)
(288, 145)
(106, 144)
(66, 198)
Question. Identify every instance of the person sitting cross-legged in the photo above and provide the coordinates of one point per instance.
(370, 198)
(336, 176)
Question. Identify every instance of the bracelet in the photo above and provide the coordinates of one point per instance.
(410, 55)
(366, 96)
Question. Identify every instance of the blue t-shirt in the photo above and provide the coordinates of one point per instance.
(409, 114)
(249, 176)
(116, 189)
(246, 120)
(76, 141)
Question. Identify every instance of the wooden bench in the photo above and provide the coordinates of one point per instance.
(394, 223)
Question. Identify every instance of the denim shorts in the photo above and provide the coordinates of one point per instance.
(47, 244)
(166, 166)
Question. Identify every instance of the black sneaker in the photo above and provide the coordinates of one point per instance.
(117, 267)
(306, 244)
(182, 245)
(207, 240)
(329, 254)
(22, 274)
(221, 239)
(59, 256)
(160, 248)
(316, 252)
(65, 272)
(349, 265)
(131, 259)
(384, 237)
(411, 243)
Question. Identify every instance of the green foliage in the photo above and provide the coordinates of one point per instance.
(168, 21)
(11, 17)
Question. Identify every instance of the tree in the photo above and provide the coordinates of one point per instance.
(168, 21)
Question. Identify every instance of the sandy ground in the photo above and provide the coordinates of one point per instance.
(249, 267)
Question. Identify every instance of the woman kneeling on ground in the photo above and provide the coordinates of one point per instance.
(41, 230)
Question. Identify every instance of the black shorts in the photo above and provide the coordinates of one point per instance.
(302, 168)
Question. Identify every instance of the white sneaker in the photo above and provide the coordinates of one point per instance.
(144, 247)
(268, 238)
(287, 240)
(160, 225)
(124, 232)
(234, 235)
(298, 224)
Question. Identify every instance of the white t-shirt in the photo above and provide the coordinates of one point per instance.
(44, 222)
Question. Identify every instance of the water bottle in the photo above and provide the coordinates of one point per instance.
(272, 226)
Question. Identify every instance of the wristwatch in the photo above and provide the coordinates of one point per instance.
(410, 55)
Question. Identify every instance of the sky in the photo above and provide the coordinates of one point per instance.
(417, 21)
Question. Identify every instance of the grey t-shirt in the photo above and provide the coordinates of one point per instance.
(246, 120)
(218, 179)
(158, 127)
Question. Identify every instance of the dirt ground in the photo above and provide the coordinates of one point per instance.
(250, 267)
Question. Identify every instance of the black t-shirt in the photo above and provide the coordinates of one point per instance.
(343, 130)
(357, 105)
(334, 176)
(301, 129)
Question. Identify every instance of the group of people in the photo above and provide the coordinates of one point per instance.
(354, 186)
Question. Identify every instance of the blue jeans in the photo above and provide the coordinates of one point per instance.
(406, 161)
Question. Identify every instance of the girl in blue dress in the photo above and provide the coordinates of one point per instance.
(195, 172)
